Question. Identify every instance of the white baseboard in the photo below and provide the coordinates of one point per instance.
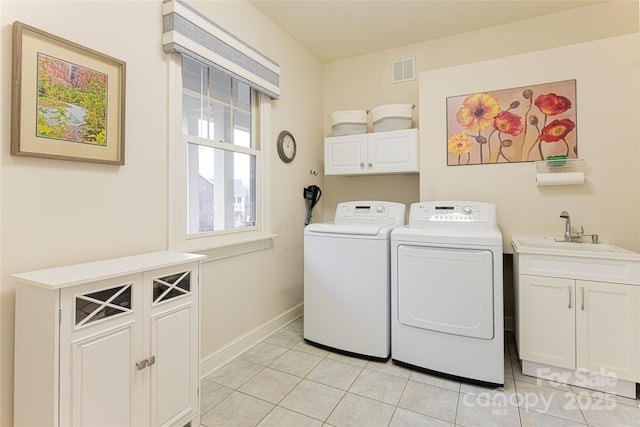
(509, 324)
(241, 344)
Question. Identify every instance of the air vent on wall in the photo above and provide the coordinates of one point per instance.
(403, 70)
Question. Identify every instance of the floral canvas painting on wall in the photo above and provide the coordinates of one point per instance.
(522, 124)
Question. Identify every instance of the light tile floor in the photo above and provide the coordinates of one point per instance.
(284, 381)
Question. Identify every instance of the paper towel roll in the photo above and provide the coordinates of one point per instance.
(560, 178)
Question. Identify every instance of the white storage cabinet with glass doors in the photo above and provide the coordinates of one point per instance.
(112, 342)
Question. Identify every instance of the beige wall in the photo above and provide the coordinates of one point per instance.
(242, 293)
(58, 212)
(364, 82)
(607, 104)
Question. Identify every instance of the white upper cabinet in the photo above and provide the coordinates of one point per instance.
(372, 153)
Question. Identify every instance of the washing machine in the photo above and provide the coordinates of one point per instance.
(446, 291)
(347, 278)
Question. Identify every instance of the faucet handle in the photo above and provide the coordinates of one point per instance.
(564, 214)
(595, 239)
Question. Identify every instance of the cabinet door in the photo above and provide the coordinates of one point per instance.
(345, 155)
(100, 343)
(547, 320)
(393, 152)
(173, 344)
(607, 330)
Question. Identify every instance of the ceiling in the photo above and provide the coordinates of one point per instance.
(338, 29)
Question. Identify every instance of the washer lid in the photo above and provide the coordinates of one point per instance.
(348, 229)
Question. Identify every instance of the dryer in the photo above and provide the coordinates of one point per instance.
(347, 278)
(446, 291)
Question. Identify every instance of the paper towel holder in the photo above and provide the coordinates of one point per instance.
(560, 171)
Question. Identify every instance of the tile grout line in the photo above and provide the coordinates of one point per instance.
(400, 399)
(512, 365)
(324, 357)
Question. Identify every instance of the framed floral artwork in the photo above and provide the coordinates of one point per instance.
(521, 124)
(67, 101)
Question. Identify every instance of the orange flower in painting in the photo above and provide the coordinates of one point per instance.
(460, 143)
(551, 104)
(477, 112)
(556, 130)
(507, 122)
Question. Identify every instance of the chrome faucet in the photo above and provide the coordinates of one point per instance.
(567, 226)
(568, 235)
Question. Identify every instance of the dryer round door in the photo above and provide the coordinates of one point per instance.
(448, 290)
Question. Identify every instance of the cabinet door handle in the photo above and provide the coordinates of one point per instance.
(145, 363)
(361, 165)
(569, 288)
(370, 165)
(582, 305)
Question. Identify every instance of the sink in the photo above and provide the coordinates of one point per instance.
(549, 246)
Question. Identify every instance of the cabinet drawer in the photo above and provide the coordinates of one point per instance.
(604, 270)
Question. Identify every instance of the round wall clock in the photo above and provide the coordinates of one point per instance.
(286, 146)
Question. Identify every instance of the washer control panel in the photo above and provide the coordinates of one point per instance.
(368, 212)
(452, 212)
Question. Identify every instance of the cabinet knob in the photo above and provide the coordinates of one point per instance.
(361, 165)
(145, 363)
(370, 165)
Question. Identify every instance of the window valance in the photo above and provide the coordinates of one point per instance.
(190, 33)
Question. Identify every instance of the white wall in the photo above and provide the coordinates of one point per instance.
(55, 212)
(364, 82)
(61, 212)
(242, 293)
(607, 105)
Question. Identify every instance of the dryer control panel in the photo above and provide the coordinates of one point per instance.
(370, 212)
(462, 212)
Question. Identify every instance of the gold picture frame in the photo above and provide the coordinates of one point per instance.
(67, 101)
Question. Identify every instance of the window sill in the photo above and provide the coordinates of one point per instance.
(226, 248)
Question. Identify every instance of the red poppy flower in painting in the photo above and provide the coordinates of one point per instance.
(460, 143)
(556, 130)
(507, 122)
(477, 112)
(551, 104)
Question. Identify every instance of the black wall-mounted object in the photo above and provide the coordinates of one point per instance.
(312, 195)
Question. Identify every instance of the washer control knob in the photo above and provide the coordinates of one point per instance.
(380, 209)
(467, 210)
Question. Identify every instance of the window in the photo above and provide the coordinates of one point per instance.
(218, 127)
(218, 163)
